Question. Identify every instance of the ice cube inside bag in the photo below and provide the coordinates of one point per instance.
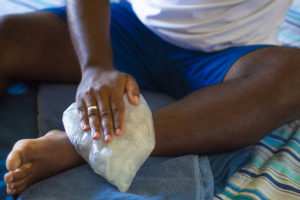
(119, 160)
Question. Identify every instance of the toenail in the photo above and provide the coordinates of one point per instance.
(28, 165)
(12, 186)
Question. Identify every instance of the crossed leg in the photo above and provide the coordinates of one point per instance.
(259, 93)
(37, 47)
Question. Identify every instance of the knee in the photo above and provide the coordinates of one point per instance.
(277, 66)
(287, 74)
(8, 42)
(5, 39)
(7, 24)
(285, 78)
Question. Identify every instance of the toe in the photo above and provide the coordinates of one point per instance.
(16, 190)
(10, 191)
(18, 174)
(22, 153)
(13, 160)
(18, 184)
(17, 187)
(8, 178)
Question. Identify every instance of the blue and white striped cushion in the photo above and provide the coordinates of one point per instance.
(289, 34)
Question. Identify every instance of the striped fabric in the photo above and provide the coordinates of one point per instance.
(289, 34)
(274, 171)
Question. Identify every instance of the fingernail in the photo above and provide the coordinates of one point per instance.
(12, 186)
(85, 127)
(28, 165)
(118, 132)
(107, 138)
(96, 135)
(11, 179)
(136, 99)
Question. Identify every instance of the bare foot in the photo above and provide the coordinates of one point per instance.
(34, 159)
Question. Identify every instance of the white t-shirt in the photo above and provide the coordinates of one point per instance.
(211, 25)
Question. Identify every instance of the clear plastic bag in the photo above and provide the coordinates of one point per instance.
(119, 160)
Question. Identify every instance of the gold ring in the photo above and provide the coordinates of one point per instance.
(91, 108)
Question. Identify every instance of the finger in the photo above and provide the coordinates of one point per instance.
(83, 116)
(106, 118)
(118, 112)
(132, 90)
(93, 116)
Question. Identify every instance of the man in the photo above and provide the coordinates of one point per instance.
(232, 89)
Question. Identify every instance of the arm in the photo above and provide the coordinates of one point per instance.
(101, 84)
(89, 23)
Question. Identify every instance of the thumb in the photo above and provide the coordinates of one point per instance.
(133, 91)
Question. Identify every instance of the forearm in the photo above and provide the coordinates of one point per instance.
(102, 86)
(89, 24)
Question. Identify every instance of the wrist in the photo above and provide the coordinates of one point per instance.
(96, 69)
(102, 61)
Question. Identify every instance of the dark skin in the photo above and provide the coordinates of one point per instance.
(101, 84)
(259, 93)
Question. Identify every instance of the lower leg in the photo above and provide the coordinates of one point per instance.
(37, 47)
(260, 94)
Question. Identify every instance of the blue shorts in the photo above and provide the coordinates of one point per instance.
(158, 65)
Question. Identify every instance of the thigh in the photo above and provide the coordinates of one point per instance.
(192, 70)
(37, 46)
(136, 50)
(269, 61)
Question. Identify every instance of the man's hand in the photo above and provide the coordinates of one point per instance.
(100, 101)
(100, 93)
